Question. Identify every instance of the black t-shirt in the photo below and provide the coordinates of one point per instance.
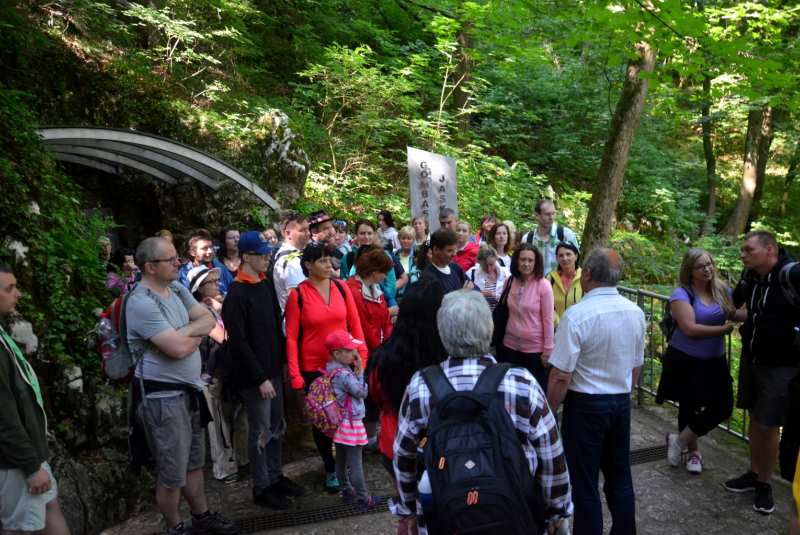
(449, 283)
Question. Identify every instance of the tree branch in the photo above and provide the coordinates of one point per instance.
(429, 8)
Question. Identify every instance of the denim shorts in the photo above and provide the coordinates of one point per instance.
(19, 509)
(764, 391)
(175, 437)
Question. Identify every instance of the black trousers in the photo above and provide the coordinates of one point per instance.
(530, 361)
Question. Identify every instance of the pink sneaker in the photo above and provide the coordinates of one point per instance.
(695, 462)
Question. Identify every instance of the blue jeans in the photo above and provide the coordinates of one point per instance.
(596, 431)
(265, 418)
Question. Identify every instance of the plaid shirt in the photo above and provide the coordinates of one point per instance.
(548, 246)
(527, 405)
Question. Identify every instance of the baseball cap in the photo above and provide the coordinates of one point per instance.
(341, 340)
(254, 241)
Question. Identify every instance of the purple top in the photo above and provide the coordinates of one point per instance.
(701, 348)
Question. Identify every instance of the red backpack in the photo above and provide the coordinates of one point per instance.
(117, 362)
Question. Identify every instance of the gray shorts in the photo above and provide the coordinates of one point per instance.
(175, 438)
(764, 391)
(19, 509)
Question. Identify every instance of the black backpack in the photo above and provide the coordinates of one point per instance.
(668, 325)
(480, 478)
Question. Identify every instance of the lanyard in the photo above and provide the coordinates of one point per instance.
(28, 370)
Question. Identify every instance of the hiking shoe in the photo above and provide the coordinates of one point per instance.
(180, 529)
(373, 500)
(213, 522)
(369, 449)
(348, 495)
(272, 499)
(695, 462)
(674, 449)
(763, 502)
(742, 483)
(332, 483)
(233, 478)
(287, 487)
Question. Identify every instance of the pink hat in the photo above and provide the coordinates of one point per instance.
(341, 340)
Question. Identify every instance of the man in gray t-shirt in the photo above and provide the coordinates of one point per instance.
(165, 320)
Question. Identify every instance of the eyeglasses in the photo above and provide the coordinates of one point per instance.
(262, 256)
(210, 281)
(704, 267)
(169, 260)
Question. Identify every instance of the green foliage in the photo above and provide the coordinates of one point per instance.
(41, 212)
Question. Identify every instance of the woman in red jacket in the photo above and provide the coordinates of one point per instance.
(372, 265)
(327, 306)
(413, 345)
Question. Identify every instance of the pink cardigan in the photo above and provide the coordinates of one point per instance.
(530, 320)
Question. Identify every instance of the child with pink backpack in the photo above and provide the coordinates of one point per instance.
(350, 390)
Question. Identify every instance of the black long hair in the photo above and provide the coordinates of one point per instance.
(222, 252)
(413, 344)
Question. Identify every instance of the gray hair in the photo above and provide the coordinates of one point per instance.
(149, 250)
(485, 253)
(446, 212)
(606, 270)
(465, 324)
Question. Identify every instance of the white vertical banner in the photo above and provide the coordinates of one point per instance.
(432, 185)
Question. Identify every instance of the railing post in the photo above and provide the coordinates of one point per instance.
(640, 393)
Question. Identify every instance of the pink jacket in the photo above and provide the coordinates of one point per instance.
(530, 319)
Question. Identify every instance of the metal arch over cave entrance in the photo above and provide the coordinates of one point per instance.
(107, 148)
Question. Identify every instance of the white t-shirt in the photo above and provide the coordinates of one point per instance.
(287, 274)
(445, 270)
(506, 261)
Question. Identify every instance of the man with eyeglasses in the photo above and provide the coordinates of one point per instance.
(547, 235)
(258, 359)
(770, 355)
(165, 325)
(288, 273)
(202, 253)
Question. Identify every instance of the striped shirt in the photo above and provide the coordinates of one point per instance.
(527, 405)
(600, 340)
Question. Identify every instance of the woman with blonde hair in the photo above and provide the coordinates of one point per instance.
(421, 230)
(695, 369)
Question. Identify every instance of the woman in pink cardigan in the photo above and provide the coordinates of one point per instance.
(528, 340)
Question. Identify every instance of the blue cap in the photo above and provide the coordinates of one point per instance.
(254, 241)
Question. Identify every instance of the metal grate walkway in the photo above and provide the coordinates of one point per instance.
(335, 512)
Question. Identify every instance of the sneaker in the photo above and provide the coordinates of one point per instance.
(763, 502)
(695, 462)
(372, 501)
(369, 449)
(674, 449)
(348, 495)
(213, 522)
(332, 483)
(271, 499)
(742, 483)
(233, 478)
(287, 487)
(180, 529)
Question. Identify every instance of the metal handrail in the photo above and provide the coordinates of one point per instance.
(656, 339)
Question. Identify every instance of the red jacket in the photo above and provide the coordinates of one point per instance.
(375, 320)
(319, 319)
(467, 257)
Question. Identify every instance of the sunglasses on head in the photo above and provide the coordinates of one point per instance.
(340, 223)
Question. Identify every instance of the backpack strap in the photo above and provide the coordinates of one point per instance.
(529, 239)
(490, 378)
(339, 287)
(560, 232)
(789, 291)
(437, 382)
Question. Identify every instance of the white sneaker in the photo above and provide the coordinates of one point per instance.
(695, 462)
(674, 449)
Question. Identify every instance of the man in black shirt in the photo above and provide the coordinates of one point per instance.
(442, 269)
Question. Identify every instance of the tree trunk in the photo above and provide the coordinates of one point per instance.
(610, 175)
(793, 167)
(711, 160)
(767, 133)
(461, 91)
(738, 221)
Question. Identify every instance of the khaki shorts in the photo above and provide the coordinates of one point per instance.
(175, 438)
(19, 509)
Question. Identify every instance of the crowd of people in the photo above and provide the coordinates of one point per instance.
(231, 339)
